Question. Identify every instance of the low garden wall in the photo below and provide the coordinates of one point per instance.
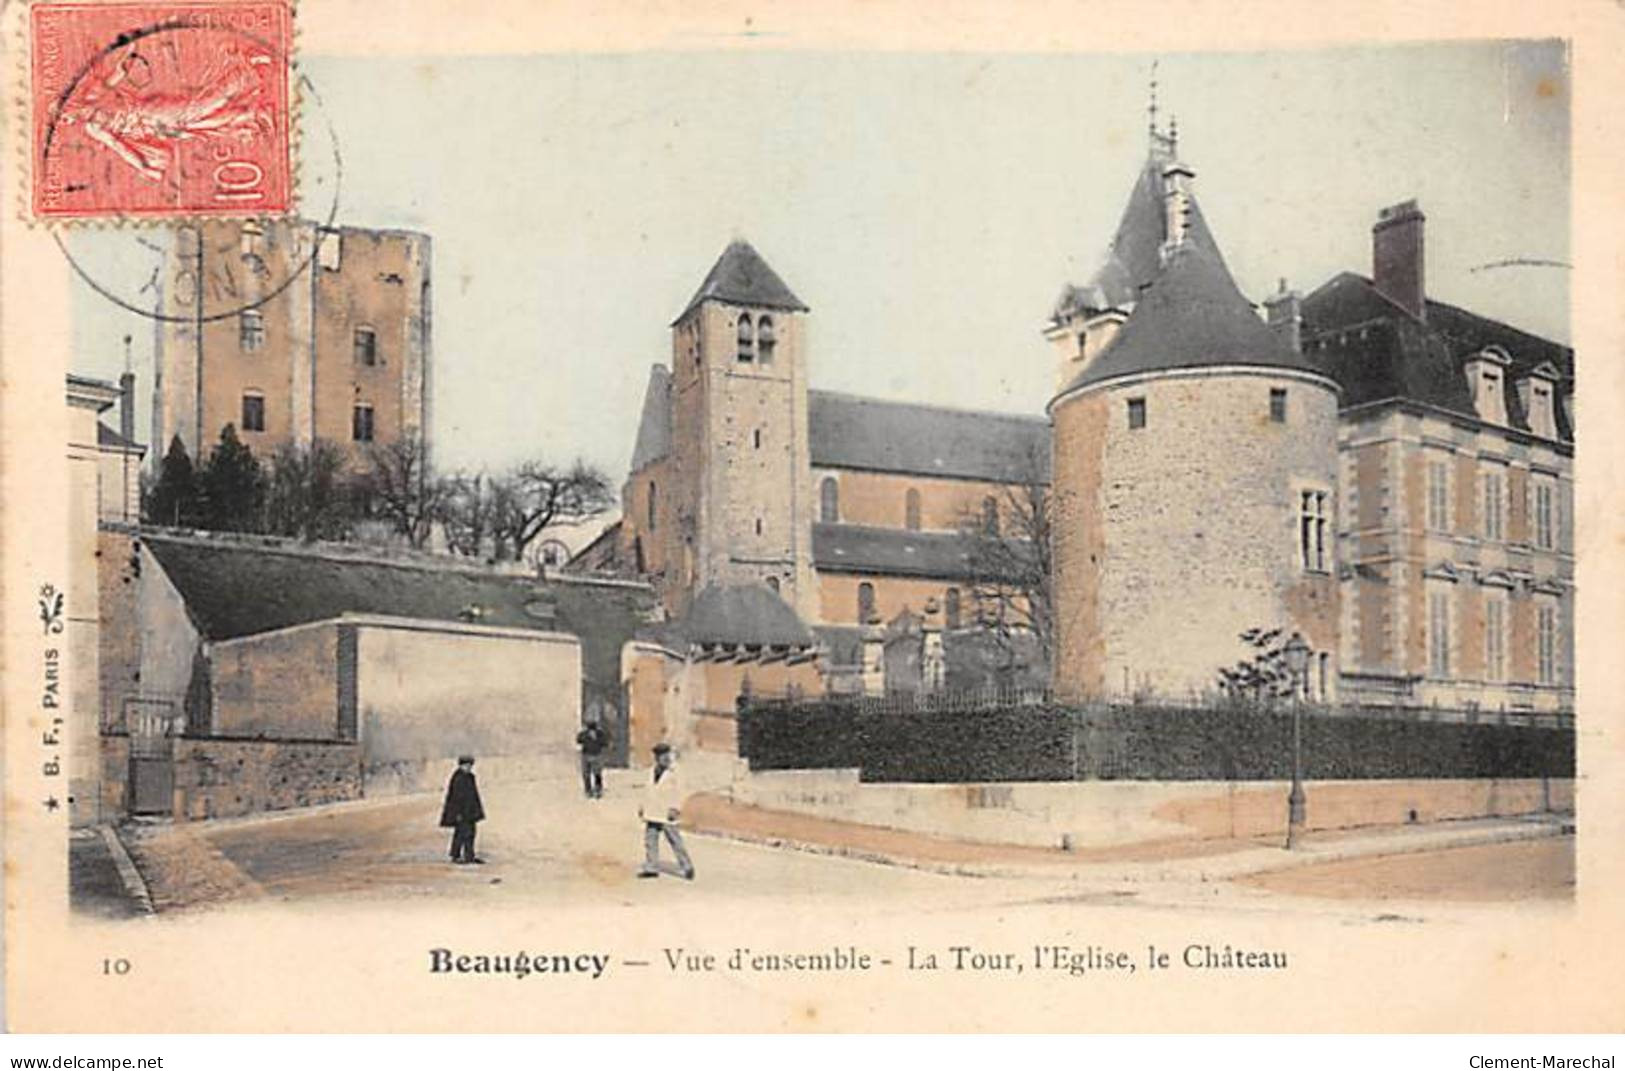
(222, 777)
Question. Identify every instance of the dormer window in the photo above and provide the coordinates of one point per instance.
(1486, 379)
(747, 341)
(1538, 393)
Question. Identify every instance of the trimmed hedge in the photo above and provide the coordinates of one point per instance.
(1036, 743)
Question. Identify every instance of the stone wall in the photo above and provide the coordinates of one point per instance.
(429, 691)
(118, 574)
(219, 778)
(115, 780)
(281, 685)
(1100, 814)
(1198, 517)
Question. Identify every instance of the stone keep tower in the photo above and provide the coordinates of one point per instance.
(741, 475)
(1195, 464)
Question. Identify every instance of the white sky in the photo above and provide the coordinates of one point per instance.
(927, 207)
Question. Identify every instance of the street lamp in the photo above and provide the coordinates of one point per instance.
(1297, 663)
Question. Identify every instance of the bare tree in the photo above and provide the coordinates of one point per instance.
(308, 494)
(466, 513)
(536, 496)
(1008, 554)
(402, 489)
(501, 516)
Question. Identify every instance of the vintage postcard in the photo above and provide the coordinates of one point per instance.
(1083, 517)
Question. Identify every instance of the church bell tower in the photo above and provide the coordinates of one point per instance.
(739, 435)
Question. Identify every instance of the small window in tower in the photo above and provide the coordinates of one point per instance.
(911, 510)
(1136, 413)
(1278, 404)
(765, 340)
(829, 500)
(950, 608)
(758, 526)
(756, 438)
(361, 423)
(773, 583)
(866, 602)
(653, 502)
(366, 346)
(250, 330)
(747, 341)
(253, 412)
(990, 516)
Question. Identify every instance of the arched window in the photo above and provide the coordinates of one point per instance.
(653, 492)
(911, 510)
(990, 516)
(773, 582)
(866, 602)
(765, 340)
(829, 500)
(747, 340)
(639, 562)
(950, 613)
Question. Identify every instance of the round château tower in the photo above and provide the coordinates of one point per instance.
(1194, 465)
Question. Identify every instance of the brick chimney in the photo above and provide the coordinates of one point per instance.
(126, 406)
(1397, 257)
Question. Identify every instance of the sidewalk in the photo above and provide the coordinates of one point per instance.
(1173, 858)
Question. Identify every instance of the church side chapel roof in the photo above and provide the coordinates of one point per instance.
(849, 432)
(741, 277)
(1377, 351)
(750, 615)
(854, 548)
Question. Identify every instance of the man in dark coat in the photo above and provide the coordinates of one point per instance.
(593, 739)
(462, 810)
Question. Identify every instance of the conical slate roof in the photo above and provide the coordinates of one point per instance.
(1193, 316)
(1133, 260)
(741, 277)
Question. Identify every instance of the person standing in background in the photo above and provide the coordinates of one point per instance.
(593, 740)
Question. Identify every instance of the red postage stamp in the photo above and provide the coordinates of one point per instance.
(161, 110)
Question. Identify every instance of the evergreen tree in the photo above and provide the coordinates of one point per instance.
(233, 486)
(174, 499)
